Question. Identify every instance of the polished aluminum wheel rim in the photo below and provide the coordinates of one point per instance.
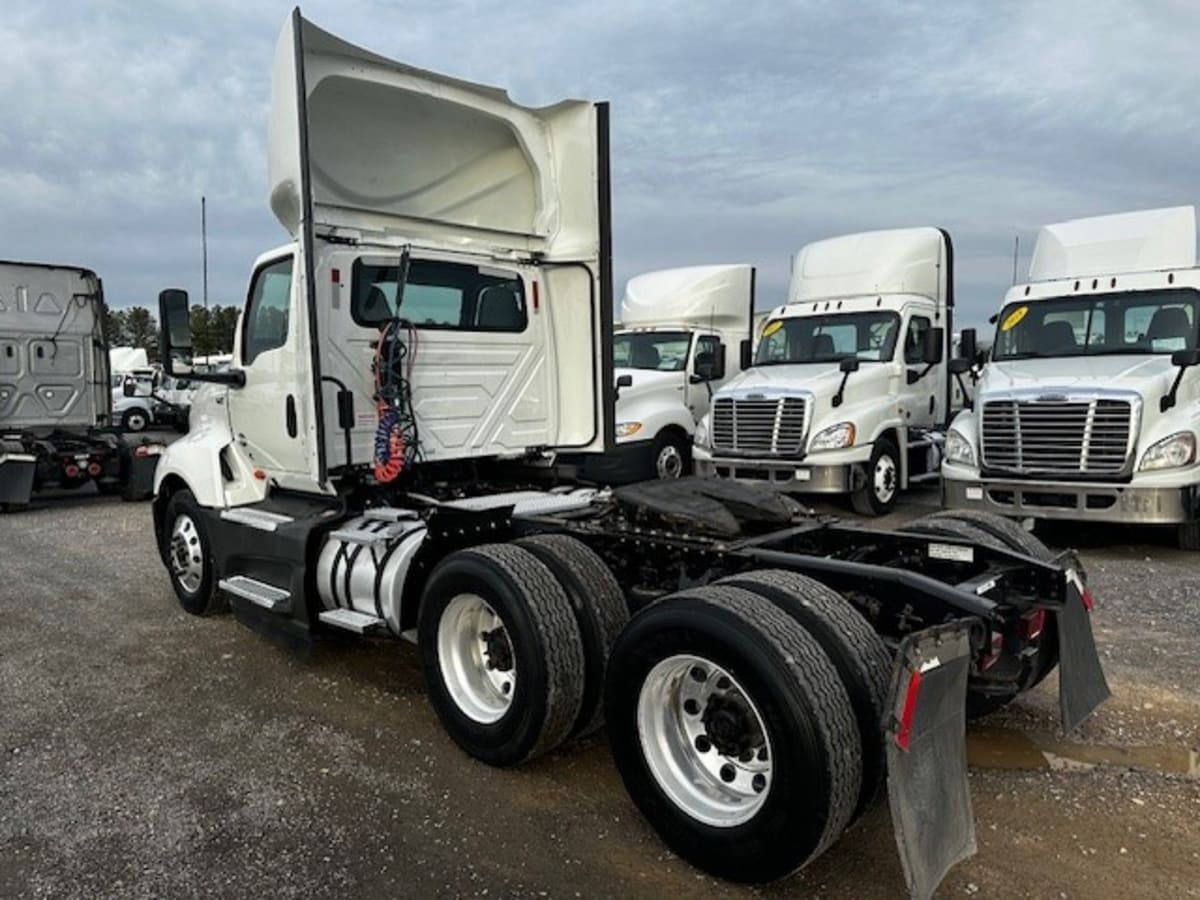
(187, 554)
(885, 479)
(136, 422)
(669, 463)
(476, 659)
(704, 741)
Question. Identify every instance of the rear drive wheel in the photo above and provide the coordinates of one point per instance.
(856, 651)
(878, 495)
(733, 733)
(189, 556)
(501, 653)
(135, 420)
(600, 611)
(672, 456)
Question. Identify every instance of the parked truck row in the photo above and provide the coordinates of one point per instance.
(441, 316)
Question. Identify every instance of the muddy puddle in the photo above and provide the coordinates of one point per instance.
(1003, 748)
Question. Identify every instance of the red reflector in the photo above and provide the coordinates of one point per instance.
(72, 470)
(904, 733)
(260, 475)
(94, 469)
(1033, 623)
(335, 276)
(1089, 602)
(536, 297)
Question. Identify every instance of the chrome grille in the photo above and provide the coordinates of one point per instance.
(1066, 437)
(759, 425)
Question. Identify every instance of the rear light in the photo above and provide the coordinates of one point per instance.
(144, 450)
(1033, 623)
(94, 469)
(536, 298)
(904, 732)
(1089, 602)
(989, 659)
(72, 470)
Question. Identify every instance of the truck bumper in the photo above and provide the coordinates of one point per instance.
(799, 477)
(1096, 502)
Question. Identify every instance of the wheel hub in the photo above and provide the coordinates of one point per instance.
(729, 724)
(476, 658)
(497, 650)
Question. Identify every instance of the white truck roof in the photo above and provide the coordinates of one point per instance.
(896, 261)
(699, 296)
(1146, 241)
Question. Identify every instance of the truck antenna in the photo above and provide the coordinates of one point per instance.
(1016, 250)
(204, 245)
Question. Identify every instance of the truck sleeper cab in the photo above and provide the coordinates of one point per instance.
(849, 391)
(1086, 410)
(350, 471)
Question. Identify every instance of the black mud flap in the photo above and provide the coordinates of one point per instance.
(16, 479)
(1082, 686)
(927, 755)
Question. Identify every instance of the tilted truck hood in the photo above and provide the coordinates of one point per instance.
(1150, 376)
(647, 382)
(384, 149)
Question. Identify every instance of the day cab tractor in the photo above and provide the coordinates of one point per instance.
(440, 317)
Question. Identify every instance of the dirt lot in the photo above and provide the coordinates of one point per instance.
(144, 752)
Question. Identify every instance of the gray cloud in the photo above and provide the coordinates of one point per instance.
(739, 133)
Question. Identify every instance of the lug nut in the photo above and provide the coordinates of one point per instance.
(698, 674)
(759, 783)
(762, 754)
(723, 683)
(727, 773)
(691, 707)
(703, 744)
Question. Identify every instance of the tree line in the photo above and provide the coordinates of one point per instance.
(212, 329)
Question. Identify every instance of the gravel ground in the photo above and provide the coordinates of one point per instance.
(147, 753)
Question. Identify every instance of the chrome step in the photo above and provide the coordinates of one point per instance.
(352, 620)
(361, 536)
(257, 592)
(255, 518)
(389, 514)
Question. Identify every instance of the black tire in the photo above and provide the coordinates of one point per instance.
(806, 714)
(859, 654)
(1187, 536)
(996, 531)
(867, 500)
(600, 611)
(670, 456)
(204, 599)
(544, 642)
(135, 420)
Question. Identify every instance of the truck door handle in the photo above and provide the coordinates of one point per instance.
(290, 411)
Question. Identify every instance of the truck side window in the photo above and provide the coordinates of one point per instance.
(438, 295)
(266, 325)
(914, 340)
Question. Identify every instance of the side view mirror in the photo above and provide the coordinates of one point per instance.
(959, 366)
(623, 381)
(849, 364)
(175, 316)
(934, 346)
(129, 387)
(967, 345)
(744, 354)
(1185, 359)
(709, 366)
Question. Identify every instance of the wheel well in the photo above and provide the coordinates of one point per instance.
(170, 486)
(901, 451)
(675, 431)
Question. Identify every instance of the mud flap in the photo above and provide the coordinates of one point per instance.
(16, 478)
(1082, 686)
(927, 755)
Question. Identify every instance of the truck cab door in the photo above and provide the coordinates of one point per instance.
(707, 362)
(924, 400)
(271, 415)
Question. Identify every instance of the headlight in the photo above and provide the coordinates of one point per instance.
(1170, 453)
(840, 435)
(700, 438)
(625, 429)
(958, 448)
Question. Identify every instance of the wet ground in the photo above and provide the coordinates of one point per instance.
(147, 753)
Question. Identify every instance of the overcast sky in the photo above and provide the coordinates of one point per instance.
(740, 132)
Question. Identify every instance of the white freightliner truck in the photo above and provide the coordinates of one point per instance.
(1090, 406)
(55, 407)
(442, 312)
(849, 390)
(680, 339)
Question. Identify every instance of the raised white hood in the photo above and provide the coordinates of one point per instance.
(389, 149)
(718, 297)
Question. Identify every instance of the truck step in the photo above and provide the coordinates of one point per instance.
(255, 518)
(925, 476)
(352, 620)
(389, 514)
(260, 593)
(361, 536)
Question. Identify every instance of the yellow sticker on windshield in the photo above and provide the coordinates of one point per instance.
(771, 327)
(1013, 319)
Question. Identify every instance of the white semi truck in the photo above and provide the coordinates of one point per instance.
(55, 407)
(680, 339)
(442, 312)
(849, 390)
(1090, 406)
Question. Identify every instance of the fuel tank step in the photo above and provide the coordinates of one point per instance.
(352, 620)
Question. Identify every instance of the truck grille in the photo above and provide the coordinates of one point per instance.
(759, 426)
(1059, 437)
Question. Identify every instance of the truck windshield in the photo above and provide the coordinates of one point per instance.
(808, 339)
(663, 351)
(1160, 321)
